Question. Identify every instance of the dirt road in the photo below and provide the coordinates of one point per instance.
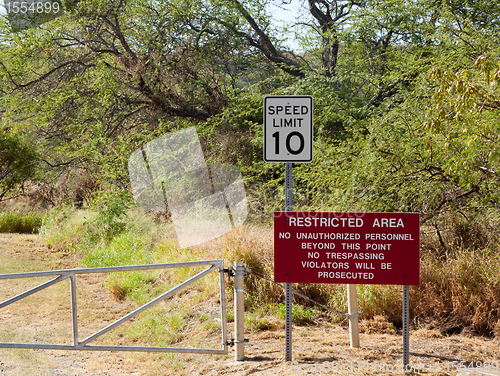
(45, 317)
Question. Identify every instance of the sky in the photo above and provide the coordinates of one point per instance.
(288, 16)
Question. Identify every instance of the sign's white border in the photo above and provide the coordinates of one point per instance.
(291, 97)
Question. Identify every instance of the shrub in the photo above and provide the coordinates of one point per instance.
(18, 222)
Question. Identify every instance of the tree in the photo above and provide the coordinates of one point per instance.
(17, 163)
(108, 76)
(433, 147)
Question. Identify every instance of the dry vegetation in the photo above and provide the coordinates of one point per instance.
(459, 294)
(316, 344)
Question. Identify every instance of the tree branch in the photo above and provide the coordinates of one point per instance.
(265, 45)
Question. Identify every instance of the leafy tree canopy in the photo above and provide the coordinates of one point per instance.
(406, 93)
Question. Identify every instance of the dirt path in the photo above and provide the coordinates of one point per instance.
(45, 317)
(325, 350)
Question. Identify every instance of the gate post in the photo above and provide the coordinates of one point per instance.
(239, 310)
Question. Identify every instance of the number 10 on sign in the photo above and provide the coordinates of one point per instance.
(288, 128)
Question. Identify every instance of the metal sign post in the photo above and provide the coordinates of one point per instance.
(288, 286)
(288, 138)
(406, 326)
(239, 310)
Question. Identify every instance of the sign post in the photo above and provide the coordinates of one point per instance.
(288, 138)
(352, 305)
(406, 326)
(288, 286)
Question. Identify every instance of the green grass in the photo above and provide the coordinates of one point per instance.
(124, 249)
(20, 222)
(257, 323)
(300, 314)
(272, 315)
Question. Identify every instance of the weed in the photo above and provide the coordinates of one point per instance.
(64, 228)
(202, 317)
(139, 286)
(124, 249)
(211, 326)
(111, 210)
(257, 323)
(300, 315)
(230, 316)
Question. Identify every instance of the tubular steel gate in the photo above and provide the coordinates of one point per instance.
(61, 275)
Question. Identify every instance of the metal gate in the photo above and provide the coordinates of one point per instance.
(62, 275)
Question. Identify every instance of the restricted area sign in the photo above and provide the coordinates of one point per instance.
(288, 128)
(347, 248)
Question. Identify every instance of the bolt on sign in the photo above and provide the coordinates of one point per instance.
(347, 248)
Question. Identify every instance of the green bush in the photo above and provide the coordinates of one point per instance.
(111, 212)
(65, 228)
(18, 222)
(18, 162)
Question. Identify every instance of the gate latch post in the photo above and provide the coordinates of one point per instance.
(239, 310)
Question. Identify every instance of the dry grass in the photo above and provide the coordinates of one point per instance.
(377, 324)
(313, 344)
(255, 248)
(458, 293)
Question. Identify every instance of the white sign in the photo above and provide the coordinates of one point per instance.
(288, 128)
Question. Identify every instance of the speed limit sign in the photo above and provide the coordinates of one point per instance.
(288, 128)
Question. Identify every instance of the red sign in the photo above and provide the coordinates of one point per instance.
(357, 248)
